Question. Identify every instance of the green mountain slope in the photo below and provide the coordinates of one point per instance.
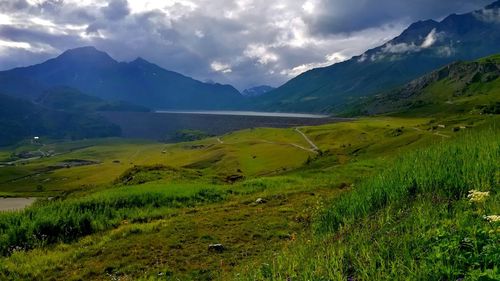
(69, 99)
(20, 119)
(421, 48)
(459, 88)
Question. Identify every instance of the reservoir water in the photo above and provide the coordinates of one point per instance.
(247, 113)
(11, 204)
(164, 124)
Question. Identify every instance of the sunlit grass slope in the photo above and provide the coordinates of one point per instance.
(150, 210)
(251, 153)
(413, 221)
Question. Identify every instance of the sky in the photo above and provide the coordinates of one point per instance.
(240, 42)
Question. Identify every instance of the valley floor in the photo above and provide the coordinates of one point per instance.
(130, 210)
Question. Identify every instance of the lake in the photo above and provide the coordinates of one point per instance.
(163, 124)
(246, 113)
(11, 204)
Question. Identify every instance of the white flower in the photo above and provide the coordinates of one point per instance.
(476, 196)
(492, 218)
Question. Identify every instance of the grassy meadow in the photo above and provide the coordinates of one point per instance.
(416, 220)
(381, 198)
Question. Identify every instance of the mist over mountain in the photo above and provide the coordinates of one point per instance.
(422, 47)
(140, 82)
(257, 91)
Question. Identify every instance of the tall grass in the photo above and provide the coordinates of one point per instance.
(413, 221)
(448, 170)
(66, 220)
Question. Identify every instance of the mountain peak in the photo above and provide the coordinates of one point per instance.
(416, 30)
(494, 5)
(85, 50)
(423, 24)
(140, 60)
(87, 54)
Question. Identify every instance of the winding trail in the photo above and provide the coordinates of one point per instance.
(220, 141)
(436, 133)
(314, 146)
(441, 135)
(290, 144)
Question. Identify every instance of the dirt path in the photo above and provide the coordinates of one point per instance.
(314, 146)
(436, 133)
(291, 144)
(220, 141)
(442, 135)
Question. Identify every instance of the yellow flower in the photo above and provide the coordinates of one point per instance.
(476, 196)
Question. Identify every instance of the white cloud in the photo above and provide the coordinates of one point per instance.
(5, 19)
(490, 15)
(141, 6)
(402, 48)
(446, 51)
(12, 44)
(199, 33)
(430, 39)
(329, 60)
(336, 57)
(35, 48)
(260, 52)
(221, 67)
(309, 7)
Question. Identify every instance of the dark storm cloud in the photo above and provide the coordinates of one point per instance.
(242, 42)
(338, 16)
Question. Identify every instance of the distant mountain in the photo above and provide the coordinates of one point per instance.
(257, 91)
(458, 88)
(422, 47)
(20, 119)
(140, 82)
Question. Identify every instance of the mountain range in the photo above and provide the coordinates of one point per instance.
(60, 97)
(95, 73)
(422, 47)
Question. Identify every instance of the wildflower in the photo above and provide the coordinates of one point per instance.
(492, 218)
(476, 196)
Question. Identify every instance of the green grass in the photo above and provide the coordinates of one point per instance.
(446, 170)
(157, 209)
(253, 152)
(49, 222)
(411, 222)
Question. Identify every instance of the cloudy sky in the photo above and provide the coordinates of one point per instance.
(241, 42)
